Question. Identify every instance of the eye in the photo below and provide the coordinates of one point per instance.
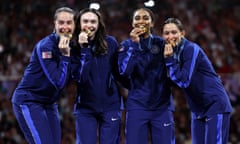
(69, 22)
(60, 22)
(137, 18)
(93, 21)
(146, 17)
(174, 32)
(165, 32)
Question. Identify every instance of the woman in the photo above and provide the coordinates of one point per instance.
(97, 107)
(34, 100)
(189, 68)
(149, 104)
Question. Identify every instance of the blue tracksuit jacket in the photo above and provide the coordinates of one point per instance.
(191, 70)
(46, 74)
(96, 78)
(144, 64)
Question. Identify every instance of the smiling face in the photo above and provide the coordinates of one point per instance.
(64, 23)
(171, 33)
(89, 22)
(142, 19)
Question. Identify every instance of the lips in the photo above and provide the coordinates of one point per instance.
(65, 31)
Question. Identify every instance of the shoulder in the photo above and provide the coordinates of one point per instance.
(190, 43)
(49, 42)
(112, 43)
(126, 42)
(191, 47)
(157, 37)
(110, 38)
(49, 39)
(158, 40)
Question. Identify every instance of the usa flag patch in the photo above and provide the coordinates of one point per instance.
(121, 49)
(47, 55)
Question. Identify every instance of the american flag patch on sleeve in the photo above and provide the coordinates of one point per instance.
(121, 49)
(46, 54)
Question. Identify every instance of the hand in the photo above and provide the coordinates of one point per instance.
(168, 49)
(83, 37)
(64, 44)
(135, 34)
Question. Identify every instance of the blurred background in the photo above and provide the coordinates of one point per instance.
(213, 24)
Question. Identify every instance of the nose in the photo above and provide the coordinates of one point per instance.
(170, 36)
(64, 27)
(141, 21)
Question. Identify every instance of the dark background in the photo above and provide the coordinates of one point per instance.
(213, 24)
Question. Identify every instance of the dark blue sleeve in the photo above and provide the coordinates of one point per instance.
(54, 65)
(181, 73)
(113, 47)
(127, 57)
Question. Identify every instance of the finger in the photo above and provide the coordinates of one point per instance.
(168, 47)
(67, 41)
(82, 40)
(64, 43)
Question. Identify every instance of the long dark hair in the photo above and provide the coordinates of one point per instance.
(99, 39)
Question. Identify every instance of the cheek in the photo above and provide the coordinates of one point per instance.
(134, 23)
(179, 38)
(73, 27)
(82, 26)
(57, 27)
(165, 36)
(168, 37)
(96, 26)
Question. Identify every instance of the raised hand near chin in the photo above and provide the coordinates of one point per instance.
(136, 33)
(64, 44)
(168, 49)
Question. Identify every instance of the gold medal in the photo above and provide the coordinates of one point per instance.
(144, 29)
(68, 35)
(87, 31)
